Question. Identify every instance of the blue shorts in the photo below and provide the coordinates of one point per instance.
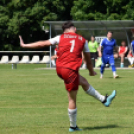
(108, 60)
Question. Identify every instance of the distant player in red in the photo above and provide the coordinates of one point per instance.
(122, 51)
(70, 47)
(54, 57)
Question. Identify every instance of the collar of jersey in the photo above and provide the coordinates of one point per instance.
(108, 39)
(69, 33)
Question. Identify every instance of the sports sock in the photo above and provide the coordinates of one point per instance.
(53, 62)
(101, 75)
(91, 91)
(114, 73)
(72, 116)
(133, 60)
(130, 60)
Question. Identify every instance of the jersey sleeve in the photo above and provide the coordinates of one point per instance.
(55, 40)
(86, 49)
(102, 43)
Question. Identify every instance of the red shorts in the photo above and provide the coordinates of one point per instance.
(70, 77)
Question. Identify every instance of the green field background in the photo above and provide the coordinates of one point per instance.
(33, 100)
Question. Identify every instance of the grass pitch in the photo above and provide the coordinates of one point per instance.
(35, 102)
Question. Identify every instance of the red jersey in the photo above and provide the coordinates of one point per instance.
(122, 49)
(69, 51)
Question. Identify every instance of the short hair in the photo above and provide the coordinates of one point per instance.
(123, 41)
(67, 25)
(92, 36)
(109, 32)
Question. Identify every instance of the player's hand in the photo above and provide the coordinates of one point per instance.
(21, 42)
(93, 73)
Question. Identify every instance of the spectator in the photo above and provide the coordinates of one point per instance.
(130, 59)
(93, 47)
(54, 57)
(122, 51)
(130, 55)
(83, 60)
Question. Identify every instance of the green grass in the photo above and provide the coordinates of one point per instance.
(35, 101)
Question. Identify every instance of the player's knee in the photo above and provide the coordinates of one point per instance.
(113, 67)
(102, 65)
(83, 81)
(112, 64)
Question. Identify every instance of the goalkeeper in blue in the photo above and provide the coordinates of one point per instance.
(108, 44)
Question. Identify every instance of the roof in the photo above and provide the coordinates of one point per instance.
(97, 28)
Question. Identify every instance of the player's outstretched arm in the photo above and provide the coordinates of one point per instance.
(38, 44)
(89, 63)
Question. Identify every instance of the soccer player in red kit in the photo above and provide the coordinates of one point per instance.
(70, 47)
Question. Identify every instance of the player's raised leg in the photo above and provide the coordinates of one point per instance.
(106, 100)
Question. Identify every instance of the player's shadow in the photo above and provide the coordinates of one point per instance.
(101, 127)
(116, 78)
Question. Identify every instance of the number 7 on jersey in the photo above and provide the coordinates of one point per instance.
(72, 45)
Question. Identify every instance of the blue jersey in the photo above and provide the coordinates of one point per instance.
(108, 46)
(132, 43)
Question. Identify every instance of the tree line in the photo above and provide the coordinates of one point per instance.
(26, 17)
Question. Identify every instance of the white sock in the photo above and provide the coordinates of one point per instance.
(91, 91)
(122, 63)
(84, 65)
(114, 73)
(72, 116)
(53, 62)
(130, 60)
(101, 75)
(133, 60)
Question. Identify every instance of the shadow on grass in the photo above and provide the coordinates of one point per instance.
(116, 78)
(101, 127)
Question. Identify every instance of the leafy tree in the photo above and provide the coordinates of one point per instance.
(26, 17)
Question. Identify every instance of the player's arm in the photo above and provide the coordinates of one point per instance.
(39, 44)
(99, 51)
(88, 60)
(100, 48)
